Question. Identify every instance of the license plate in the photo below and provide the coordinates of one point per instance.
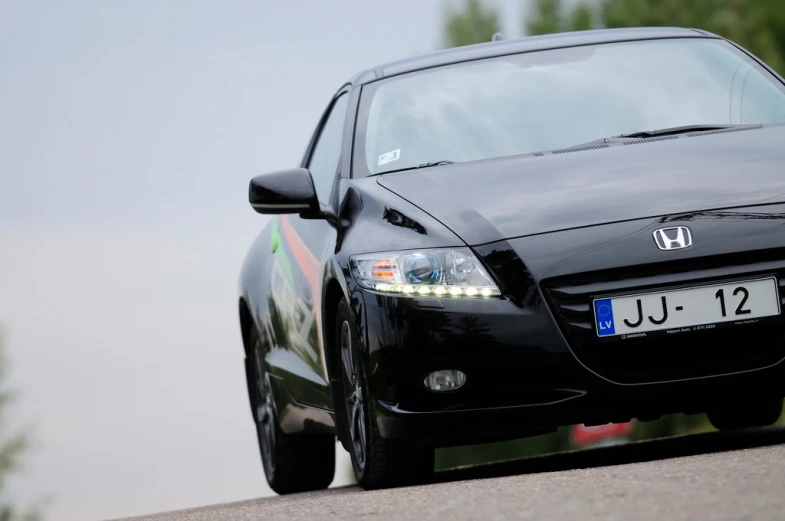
(686, 309)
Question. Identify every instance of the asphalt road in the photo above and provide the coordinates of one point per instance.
(704, 477)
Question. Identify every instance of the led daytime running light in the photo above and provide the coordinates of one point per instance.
(437, 291)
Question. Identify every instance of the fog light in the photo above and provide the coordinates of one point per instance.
(445, 380)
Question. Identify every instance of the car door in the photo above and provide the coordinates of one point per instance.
(297, 244)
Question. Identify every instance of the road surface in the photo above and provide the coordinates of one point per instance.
(703, 477)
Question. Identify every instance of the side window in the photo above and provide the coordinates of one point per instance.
(327, 151)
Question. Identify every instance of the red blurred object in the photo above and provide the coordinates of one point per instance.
(583, 435)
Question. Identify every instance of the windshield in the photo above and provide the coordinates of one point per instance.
(559, 98)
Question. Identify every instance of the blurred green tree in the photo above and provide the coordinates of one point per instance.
(544, 18)
(12, 447)
(757, 25)
(474, 22)
(506, 450)
(550, 16)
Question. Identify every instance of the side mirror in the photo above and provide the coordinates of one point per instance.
(284, 191)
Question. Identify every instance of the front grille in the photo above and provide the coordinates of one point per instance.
(658, 358)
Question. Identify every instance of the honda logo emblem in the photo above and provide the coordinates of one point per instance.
(676, 238)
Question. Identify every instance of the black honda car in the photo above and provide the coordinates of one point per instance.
(494, 241)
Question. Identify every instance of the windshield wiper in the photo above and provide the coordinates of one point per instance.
(672, 131)
(423, 165)
(435, 163)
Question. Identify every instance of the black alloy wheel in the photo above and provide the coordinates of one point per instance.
(263, 410)
(353, 390)
(377, 462)
(292, 462)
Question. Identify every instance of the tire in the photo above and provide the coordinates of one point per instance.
(742, 416)
(292, 462)
(377, 462)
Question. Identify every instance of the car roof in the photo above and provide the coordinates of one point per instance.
(519, 45)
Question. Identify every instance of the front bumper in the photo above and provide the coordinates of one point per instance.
(596, 407)
(531, 358)
(522, 377)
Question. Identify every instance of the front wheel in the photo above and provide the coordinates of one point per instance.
(742, 416)
(377, 462)
(292, 462)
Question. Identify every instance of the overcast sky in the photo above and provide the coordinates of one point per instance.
(128, 133)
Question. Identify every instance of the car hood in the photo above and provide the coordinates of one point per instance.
(485, 201)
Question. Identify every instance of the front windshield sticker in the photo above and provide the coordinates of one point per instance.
(389, 157)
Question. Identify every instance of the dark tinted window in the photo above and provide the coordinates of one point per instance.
(327, 151)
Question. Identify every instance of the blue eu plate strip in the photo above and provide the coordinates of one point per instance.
(603, 311)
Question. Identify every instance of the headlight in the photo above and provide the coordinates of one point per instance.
(429, 273)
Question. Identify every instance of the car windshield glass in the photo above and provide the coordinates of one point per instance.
(559, 98)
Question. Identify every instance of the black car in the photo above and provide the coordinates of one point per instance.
(493, 241)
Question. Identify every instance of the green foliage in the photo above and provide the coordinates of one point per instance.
(473, 23)
(550, 16)
(545, 18)
(670, 425)
(559, 441)
(757, 25)
(12, 447)
(581, 18)
(506, 450)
